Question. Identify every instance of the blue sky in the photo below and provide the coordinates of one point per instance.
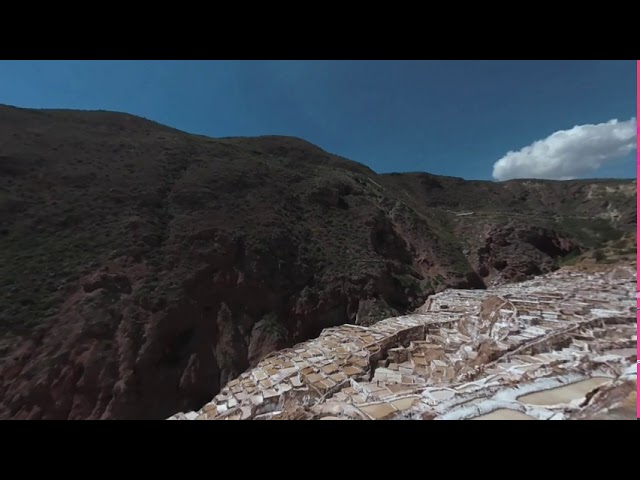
(446, 117)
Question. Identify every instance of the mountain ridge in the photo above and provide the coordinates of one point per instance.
(409, 172)
(143, 267)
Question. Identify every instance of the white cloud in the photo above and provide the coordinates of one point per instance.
(568, 154)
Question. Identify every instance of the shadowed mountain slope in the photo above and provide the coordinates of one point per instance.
(141, 267)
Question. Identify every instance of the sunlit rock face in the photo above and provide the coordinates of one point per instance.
(561, 346)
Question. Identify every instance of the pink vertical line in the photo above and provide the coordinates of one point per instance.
(637, 226)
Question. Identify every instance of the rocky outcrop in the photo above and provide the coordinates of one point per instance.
(518, 253)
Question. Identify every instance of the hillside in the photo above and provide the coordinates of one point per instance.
(141, 267)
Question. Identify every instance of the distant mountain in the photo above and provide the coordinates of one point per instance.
(142, 267)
